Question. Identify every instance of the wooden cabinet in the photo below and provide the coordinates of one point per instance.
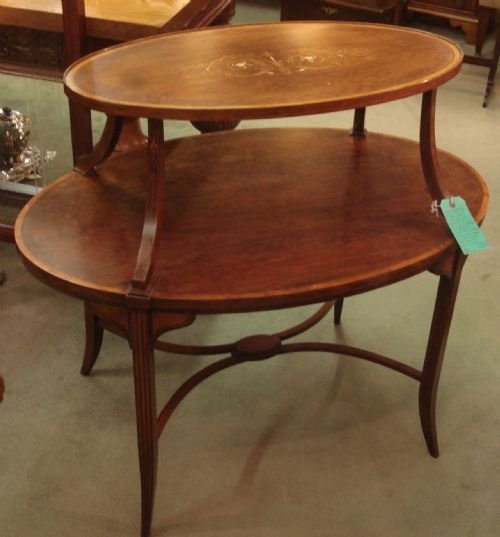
(362, 10)
(473, 19)
(457, 7)
(31, 31)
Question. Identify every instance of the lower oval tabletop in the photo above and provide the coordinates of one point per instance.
(254, 219)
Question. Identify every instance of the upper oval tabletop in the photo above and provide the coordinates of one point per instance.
(262, 71)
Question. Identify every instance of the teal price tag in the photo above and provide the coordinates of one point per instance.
(462, 225)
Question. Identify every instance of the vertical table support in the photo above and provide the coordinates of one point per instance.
(73, 15)
(142, 343)
(154, 205)
(449, 274)
(140, 329)
(428, 149)
(86, 163)
(449, 279)
(358, 125)
(448, 283)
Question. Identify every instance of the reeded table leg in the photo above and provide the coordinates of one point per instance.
(145, 403)
(436, 344)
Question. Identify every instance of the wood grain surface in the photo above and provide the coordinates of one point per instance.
(260, 71)
(254, 219)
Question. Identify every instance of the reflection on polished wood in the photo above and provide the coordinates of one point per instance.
(245, 72)
(332, 233)
(253, 219)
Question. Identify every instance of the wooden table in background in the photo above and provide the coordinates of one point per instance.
(466, 14)
(251, 219)
(31, 39)
(32, 43)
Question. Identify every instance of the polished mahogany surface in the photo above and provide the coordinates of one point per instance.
(260, 71)
(253, 219)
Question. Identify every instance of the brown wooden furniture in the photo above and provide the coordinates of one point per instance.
(31, 31)
(349, 10)
(42, 38)
(464, 13)
(251, 219)
(492, 61)
(6, 233)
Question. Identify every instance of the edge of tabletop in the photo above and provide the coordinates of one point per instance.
(53, 277)
(265, 301)
(264, 111)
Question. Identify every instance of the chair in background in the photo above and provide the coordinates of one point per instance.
(491, 62)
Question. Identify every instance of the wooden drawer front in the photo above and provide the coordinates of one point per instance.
(467, 7)
(331, 10)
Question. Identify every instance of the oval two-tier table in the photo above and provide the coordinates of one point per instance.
(251, 219)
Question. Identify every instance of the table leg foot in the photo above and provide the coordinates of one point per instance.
(93, 340)
(436, 344)
(145, 401)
